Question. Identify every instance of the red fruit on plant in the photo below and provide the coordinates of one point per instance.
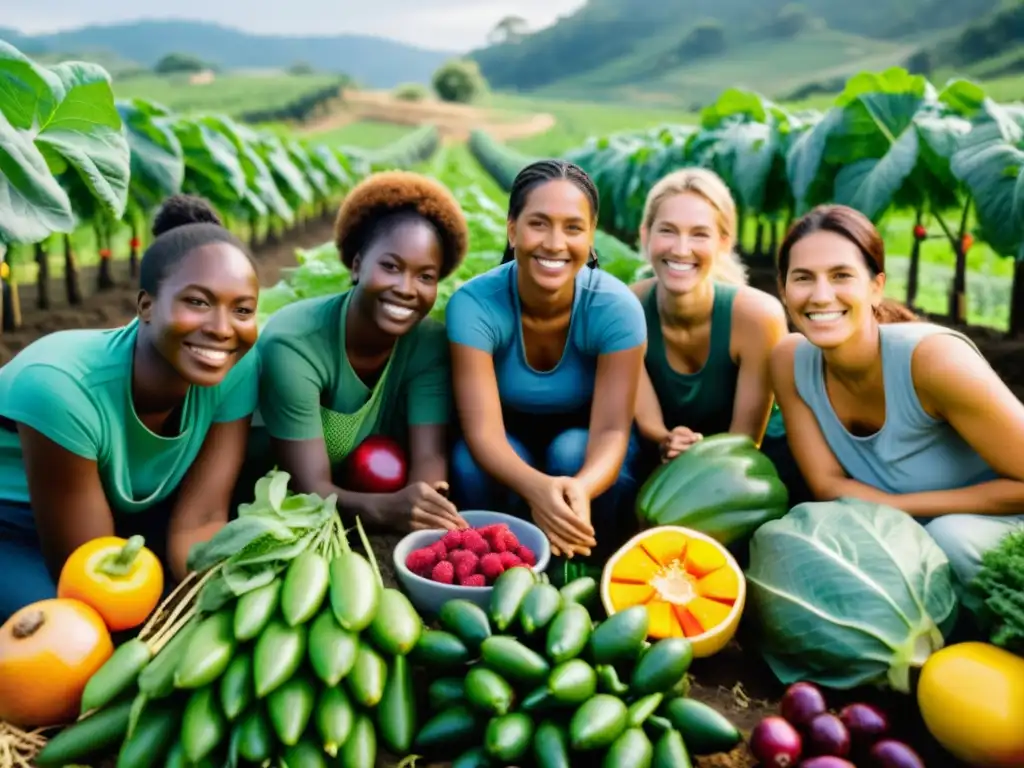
(826, 735)
(444, 572)
(452, 540)
(376, 465)
(890, 753)
(776, 743)
(920, 232)
(801, 703)
(525, 554)
(476, 580)
(865, 722)
(420, 561)
(826, 761)
(491, 567)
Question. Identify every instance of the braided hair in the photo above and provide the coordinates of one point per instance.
(541, 172)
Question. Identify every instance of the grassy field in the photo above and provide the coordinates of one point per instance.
(230, 94)
(368, 134)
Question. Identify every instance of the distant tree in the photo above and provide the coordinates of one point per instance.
(411, 92)
(792, 19)
(301, 68)
(705, 38)
(459, 80)
(179, 62)
(920, 62)
(510, 29)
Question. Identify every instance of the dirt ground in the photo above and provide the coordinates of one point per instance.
(452, 120)
(736, 682)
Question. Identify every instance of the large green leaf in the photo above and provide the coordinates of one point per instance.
(212, 168)
(157, 159)
(32, 204)
(85, 132)
(289, 177)
(27, 90)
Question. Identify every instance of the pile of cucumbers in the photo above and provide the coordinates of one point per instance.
(309, 670)
(533, 680)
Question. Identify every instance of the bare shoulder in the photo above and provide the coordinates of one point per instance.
(643, 287)
(940, 360)
(755, 305)
(783, 354)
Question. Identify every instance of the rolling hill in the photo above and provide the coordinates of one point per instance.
(372, 61)
(684, 52)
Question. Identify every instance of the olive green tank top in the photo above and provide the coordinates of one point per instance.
(703, 400)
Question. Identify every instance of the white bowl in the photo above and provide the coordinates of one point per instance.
(428, 596)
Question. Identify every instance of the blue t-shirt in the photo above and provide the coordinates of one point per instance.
(485, 313)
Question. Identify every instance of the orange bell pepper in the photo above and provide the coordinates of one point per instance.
(121, 579)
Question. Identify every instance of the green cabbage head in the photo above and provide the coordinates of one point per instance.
(849, 593)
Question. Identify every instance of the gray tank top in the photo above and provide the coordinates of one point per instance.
(912, 452)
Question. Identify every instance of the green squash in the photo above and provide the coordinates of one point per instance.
(722, 486)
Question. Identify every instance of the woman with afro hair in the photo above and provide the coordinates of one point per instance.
(338, 369)
(134, 430)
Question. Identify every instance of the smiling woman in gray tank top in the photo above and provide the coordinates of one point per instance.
(884, 408)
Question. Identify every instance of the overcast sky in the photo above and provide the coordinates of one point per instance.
(441, 24)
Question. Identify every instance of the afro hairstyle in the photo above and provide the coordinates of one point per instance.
(383, 194)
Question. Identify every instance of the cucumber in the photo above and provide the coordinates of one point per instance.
(670, 751)
(643, 708)
(582, 591)
(467, 621)
(551, 746)
(290, 707)
(631, 750)
(704, 730)
(153, 736)
(513, 660)
(332, 650)
(538, 608)
(597, 723)
(94, 735)
(354, 591)
(568, 633)
(256, 739)
(440, 650)
(304, 754)
(396, 626)
(473, 758)
(488, 691)
(366, 680)
(305, 585)
(360, 749)
(508, 737)
(662, 666)
(254, 610)
(236, 689)
(572, 682)
(507, 595)
(334, 718)
(450, 730)
(396, 712)
(621, 636)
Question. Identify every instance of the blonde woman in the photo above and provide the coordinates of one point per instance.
(710, 335)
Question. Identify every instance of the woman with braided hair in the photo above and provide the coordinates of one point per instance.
(144, 425)
(337, 369)
(547, 351)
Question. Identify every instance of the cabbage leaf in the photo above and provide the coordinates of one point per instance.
(849, 593)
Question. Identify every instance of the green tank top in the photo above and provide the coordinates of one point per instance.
(703, 400)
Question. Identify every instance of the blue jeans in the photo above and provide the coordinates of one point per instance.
(24, 576)
(966, 538)
(611, 513)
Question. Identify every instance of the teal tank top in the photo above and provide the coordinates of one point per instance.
(702, 400)
(912, 452)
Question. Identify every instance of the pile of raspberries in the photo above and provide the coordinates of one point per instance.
(472, 558)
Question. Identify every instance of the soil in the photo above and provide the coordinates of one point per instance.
(452, 120)
(736, 682)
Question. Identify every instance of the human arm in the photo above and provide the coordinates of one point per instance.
(650, 420)
(759, 323)
(291, 382)
(204, 498)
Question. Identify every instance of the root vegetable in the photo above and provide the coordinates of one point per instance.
(776, 743)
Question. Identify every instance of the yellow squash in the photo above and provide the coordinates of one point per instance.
(971, 697)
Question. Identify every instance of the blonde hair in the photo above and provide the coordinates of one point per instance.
(708, 186)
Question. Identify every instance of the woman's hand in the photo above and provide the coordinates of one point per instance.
(561, 508)
(419, 506)
(678, 441)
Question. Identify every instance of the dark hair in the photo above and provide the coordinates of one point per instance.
(382, 200)
(541, 172)
(856, 228)
(182, 224)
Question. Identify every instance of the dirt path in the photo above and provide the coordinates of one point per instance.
(452, 120)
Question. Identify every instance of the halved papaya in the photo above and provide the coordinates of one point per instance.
(690, 584)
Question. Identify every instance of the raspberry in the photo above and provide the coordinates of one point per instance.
(510, 560)
(511, 542)
(496, 542)
(460, 556)
(526, 555)
(452, 540)
(420, 561)
(491, 567)
(443, 572)
(440, 551)
(489, 530)
(475, 543)
(476, 580)
(465, 568)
